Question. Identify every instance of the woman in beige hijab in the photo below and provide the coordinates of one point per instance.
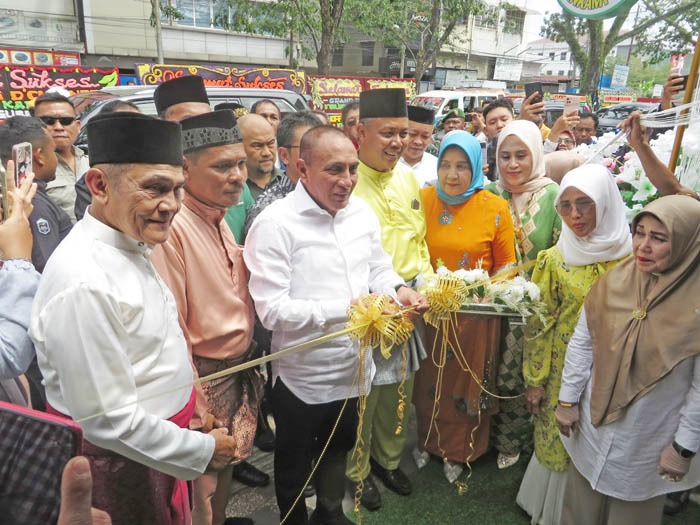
(629, 404)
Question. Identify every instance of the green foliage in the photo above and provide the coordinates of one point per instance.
(167, 11)
(679, 30)
(590, 45)
(422, 26)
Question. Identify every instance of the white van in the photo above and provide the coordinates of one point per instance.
(441, 101)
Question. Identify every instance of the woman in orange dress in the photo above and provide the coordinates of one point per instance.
(467, 227)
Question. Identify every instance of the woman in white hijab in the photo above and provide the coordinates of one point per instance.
(595, 236)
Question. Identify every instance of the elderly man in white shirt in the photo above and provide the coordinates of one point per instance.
(106, 330)
(310, 255)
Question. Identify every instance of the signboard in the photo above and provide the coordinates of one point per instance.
(619, 77)
(20, 85)
(608, 100)
(331, 93)
(38, 57)
(508, 69)
(595, 9)
(225, 76)
(31, 28)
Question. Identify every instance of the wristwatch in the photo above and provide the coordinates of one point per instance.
(396, 288)
(566, 404)
(683, 452)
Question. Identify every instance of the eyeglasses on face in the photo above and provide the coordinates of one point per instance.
(582, 207)
(565, 141)
(50, 121)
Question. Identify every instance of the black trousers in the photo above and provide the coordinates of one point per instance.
(302, 432)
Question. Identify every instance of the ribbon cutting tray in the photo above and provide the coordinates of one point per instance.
(493, 309)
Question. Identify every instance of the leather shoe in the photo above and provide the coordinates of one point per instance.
(238, 521)
(394, 480)
(370, 499)
(318, 519)
(249, 475)
(676, 502)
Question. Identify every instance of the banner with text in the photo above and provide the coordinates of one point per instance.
(331, 93)
(224, 76)
(20, 85)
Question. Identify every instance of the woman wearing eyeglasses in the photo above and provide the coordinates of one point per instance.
(566, 141)
(595, 237)
(523, 182)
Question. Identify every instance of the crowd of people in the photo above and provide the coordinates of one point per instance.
(182, 246)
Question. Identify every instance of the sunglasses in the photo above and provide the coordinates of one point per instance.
(582, 207)
(50, 121)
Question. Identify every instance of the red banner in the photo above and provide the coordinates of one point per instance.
(20, 85)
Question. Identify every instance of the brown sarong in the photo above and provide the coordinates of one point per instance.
(462, 421)
(234, 399)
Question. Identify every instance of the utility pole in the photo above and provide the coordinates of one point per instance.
(159, 35)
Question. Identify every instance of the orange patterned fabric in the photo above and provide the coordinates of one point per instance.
(463, 234)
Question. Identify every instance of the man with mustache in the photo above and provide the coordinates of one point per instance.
(106, 333)
(392, 191)
(203, 267)
(58, 113)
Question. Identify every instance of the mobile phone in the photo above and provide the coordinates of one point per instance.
(534, 87)
(484, 155)
(468, 117)
(4, 202)
(34, 447)
(571, 104)
(22, 156)
(684, 84)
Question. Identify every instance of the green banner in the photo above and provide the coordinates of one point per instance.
(595, 9)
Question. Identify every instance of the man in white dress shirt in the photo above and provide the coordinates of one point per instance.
(106, 331)
(310, 255)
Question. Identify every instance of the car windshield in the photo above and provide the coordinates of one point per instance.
(432, 103)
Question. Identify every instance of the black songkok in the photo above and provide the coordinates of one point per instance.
(238, 109)
(421, 115)
(383, 103)
(189, 88)
(208, 130)
(133, 138)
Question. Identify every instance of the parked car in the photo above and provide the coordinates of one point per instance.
(441, 101)
(88, 104)
(610, 117)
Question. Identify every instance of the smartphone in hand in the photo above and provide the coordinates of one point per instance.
(34, 449)
(571, 104)
(22, 156)
(534, 87)
(4, 201)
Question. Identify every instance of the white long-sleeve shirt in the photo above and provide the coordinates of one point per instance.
(305, 268)
(106, 333)
(620, 459)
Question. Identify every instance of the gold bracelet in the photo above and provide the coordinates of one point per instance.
(566, 404)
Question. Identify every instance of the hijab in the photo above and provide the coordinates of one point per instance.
(472, 149)
(531, 136)
(559, 163)
(610, 239)
(642, 325)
